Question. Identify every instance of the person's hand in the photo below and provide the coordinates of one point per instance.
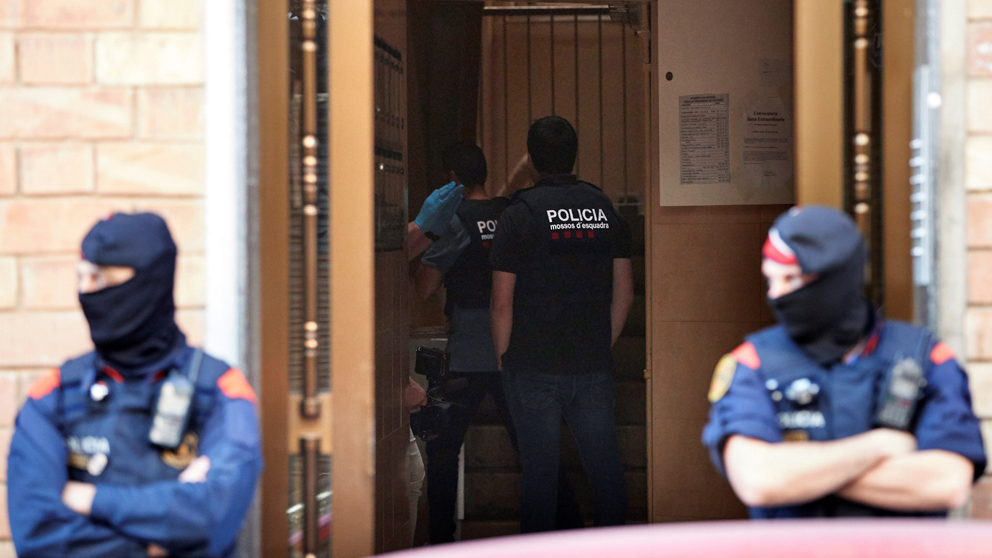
(78, 497)
(414, 396)
(893, 443)
(439, 208)
(196, 471)
(156, 551)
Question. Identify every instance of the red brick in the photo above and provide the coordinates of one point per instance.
(4, 518)
(980, 49)
(68, 219)
(150, 169)
(170, 14)
(8, 399)
(9, 285)
(42, 338)
(9, 13)
(980, 381)
(5, 435)
(49, 283)
(76, 14)
(980, 9)
(171, 113)
(978, 99)
(191, 322)
(8, 66)
(47, 225)
(190, 281)
(980, 277)
(56, 168)
(59, 113)
(55, 58)
(978, 333)
(8, 168)
(149, 58)
(980, 220)
(978, 163)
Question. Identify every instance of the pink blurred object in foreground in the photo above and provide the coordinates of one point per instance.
(741, 539)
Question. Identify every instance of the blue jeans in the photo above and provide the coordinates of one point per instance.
(537, 404)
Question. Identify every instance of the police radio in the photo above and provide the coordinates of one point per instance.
(900, 395)
(174, 405)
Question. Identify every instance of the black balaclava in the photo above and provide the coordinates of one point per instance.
(830, 315)
(133, 324)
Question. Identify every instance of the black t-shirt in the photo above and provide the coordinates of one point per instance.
(557, 333)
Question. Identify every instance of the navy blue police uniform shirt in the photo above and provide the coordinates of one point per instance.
(768, 389)
(65, 433)
(559, 238)
(469, 336)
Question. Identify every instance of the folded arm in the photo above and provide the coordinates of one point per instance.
(930, 480)
(181, 516)
(764, 474)
(40, 524)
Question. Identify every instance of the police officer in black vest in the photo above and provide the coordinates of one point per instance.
(562, 287)
(460, 260)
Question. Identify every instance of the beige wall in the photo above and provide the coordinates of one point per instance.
(100, 110)
(978, 184)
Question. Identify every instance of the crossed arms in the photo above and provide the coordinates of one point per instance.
(880, 468)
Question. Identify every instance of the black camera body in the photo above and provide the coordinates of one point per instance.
(435, 416)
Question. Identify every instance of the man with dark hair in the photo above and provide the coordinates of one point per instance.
(562, 287)
(460, 260)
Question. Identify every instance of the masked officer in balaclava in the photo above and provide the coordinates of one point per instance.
(145, 446)
(835, 411)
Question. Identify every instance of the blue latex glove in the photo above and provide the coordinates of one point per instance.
(439, 208)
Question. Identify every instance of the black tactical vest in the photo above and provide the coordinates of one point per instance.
(572, 256)
(469, 282)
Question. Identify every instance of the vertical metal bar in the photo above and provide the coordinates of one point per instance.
(623, 50)
(552, 19)
(506, 109)
(309, 452)
(575, 22)
(862, 132)
(310, 406)
(600, 46)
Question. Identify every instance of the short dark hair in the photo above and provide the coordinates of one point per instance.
(553, 145)
(467, 161)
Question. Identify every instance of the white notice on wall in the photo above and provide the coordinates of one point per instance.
(767, 143)
(704, 137)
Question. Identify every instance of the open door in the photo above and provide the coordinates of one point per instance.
(761, 105)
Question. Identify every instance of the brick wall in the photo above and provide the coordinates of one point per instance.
(100, 110)
(978, 182)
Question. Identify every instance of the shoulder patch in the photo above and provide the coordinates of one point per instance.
(941, 353)
(747, 355)
(722, 377)
(45, 384)
(234, 385)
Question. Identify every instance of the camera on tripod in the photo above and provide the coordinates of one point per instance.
(435, 416)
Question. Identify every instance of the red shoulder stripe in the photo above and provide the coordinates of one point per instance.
(941, 353)
(234, 385)
(45, 384)
(747, 355)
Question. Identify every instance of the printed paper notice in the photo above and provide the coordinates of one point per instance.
(767, 143)
(704, 137)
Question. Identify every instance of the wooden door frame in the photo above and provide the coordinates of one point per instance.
(351, 431)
